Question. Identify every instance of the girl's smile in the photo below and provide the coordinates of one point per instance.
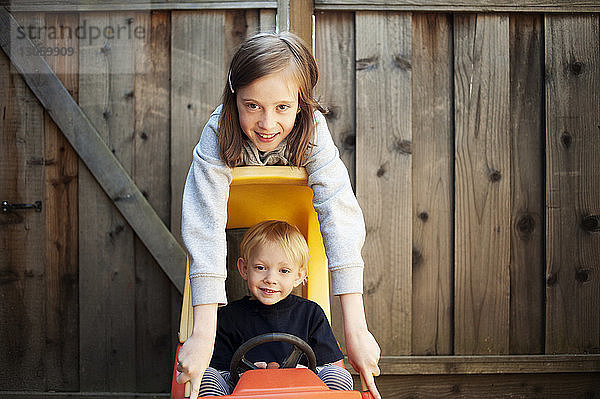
(266, 137)
(267, 109)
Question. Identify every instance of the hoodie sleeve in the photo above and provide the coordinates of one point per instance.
(204, 217)
(340, 217)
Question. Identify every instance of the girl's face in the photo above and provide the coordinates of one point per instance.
(271, 276)
(267, 108)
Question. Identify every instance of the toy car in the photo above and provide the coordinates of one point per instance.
(286, 191)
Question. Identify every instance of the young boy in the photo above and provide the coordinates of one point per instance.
(274, 260)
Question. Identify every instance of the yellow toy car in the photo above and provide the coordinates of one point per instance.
(286, 191)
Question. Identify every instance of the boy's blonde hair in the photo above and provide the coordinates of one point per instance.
(280, 233)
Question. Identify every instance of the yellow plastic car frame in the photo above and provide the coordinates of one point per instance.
(260, 193)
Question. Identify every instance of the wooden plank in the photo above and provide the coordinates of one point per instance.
(573, 183)
(238, 26)
(482, 187)
(154, 334)
(501, 386)
(561, 6)
(267, 20)
(301, 19)
(335, 54)
(527, 173)
(392, 386)
(61, 358)
(432, 176)
(510, 364)
(430, 386)
(107, 269)
(283, 15)
(22, 233)
(139, 5)
(461, 6)
(198, 75)
(296, 16)
(90, 147)
(383, 173)
(82, 395)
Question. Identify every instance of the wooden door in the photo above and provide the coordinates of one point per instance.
(38, 248)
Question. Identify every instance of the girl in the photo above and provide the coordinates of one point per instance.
(269, 117)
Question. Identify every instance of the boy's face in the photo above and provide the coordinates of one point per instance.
(267, 109)
(271, 276)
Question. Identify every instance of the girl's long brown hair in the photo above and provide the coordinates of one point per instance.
(258, 56)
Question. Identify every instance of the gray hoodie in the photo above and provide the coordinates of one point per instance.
(204, 214)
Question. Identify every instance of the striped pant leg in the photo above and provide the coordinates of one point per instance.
(214, 383)
(336, 377)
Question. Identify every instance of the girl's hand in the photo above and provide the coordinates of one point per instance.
(363, 351)
(363, 354)
(194, 357)
(195, 354)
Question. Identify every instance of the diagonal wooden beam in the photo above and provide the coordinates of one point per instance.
(90, 147)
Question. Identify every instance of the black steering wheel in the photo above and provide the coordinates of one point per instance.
(239, 363)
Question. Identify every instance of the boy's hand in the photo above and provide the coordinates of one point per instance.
(264, 365)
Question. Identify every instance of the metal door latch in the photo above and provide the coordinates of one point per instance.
(6, 206)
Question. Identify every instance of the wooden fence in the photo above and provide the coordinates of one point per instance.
(472, 139)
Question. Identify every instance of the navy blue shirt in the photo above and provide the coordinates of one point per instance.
(244, 319)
